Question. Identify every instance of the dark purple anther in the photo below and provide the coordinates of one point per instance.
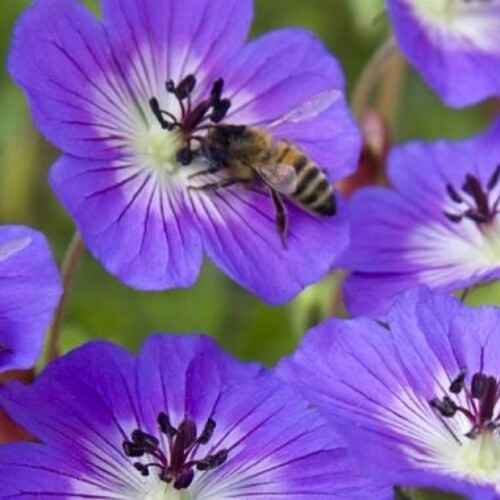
(212, 461)
(494, 178)
(220, 110)
(165, 426)
(446, 407)
(186, 86)
(216, 93)
(453, 194)
(458, 384)
(207, 432)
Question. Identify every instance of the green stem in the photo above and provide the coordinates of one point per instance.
(371, 75)
(68, 272)
(465, 293)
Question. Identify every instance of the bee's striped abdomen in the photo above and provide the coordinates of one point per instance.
(314, 192)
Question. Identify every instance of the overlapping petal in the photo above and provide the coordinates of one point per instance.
(29, 290)
(175, 38)
(403, 235)
(91, 400)
(241, 237)
(140, 233)
(374, 384)
(89, 83)
(453, 44)
(264, 83)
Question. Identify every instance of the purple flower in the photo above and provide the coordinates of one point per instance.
(439, 226)
(29, 291)
(418, 401)
(453, 44)
(182, 420)
(129, 100)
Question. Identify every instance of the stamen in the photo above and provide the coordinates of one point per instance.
(205, 115)
(220, 110)
(494, 178)
(185, 87)
(158, 112)
(485, 390)
(178, 466)
(478, 208)
(458, 384)
(207, 432)
(446, 406)
(165, 426)
(453, 194)
(146, 441)
(212, 461)
(216, 93)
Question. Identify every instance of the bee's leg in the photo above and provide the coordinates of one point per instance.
(281, 216)
(210, 170)
(223, 183)
(214, 163)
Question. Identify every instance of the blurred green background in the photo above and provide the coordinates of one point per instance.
(99, 306)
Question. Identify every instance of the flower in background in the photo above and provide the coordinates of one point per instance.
(453, 44)
(418, 402)
(373, 158)
(182, 420)
(129, 99)
(439, 226)
(30, 288)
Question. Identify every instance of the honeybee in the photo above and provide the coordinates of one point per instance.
(250, 154)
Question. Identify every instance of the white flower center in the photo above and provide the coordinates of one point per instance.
(434, 10)
(475, 22)
(164, 491)
(479, 458)
(156, 148)
(492, 243)
(443, 252)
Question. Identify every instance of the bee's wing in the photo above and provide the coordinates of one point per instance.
(309, 109)
(279, 176)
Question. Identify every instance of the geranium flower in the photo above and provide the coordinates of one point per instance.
(453, 44)
(438, 226)
(129, 99)
(181, 421)
(419, 401)
(29, 291)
